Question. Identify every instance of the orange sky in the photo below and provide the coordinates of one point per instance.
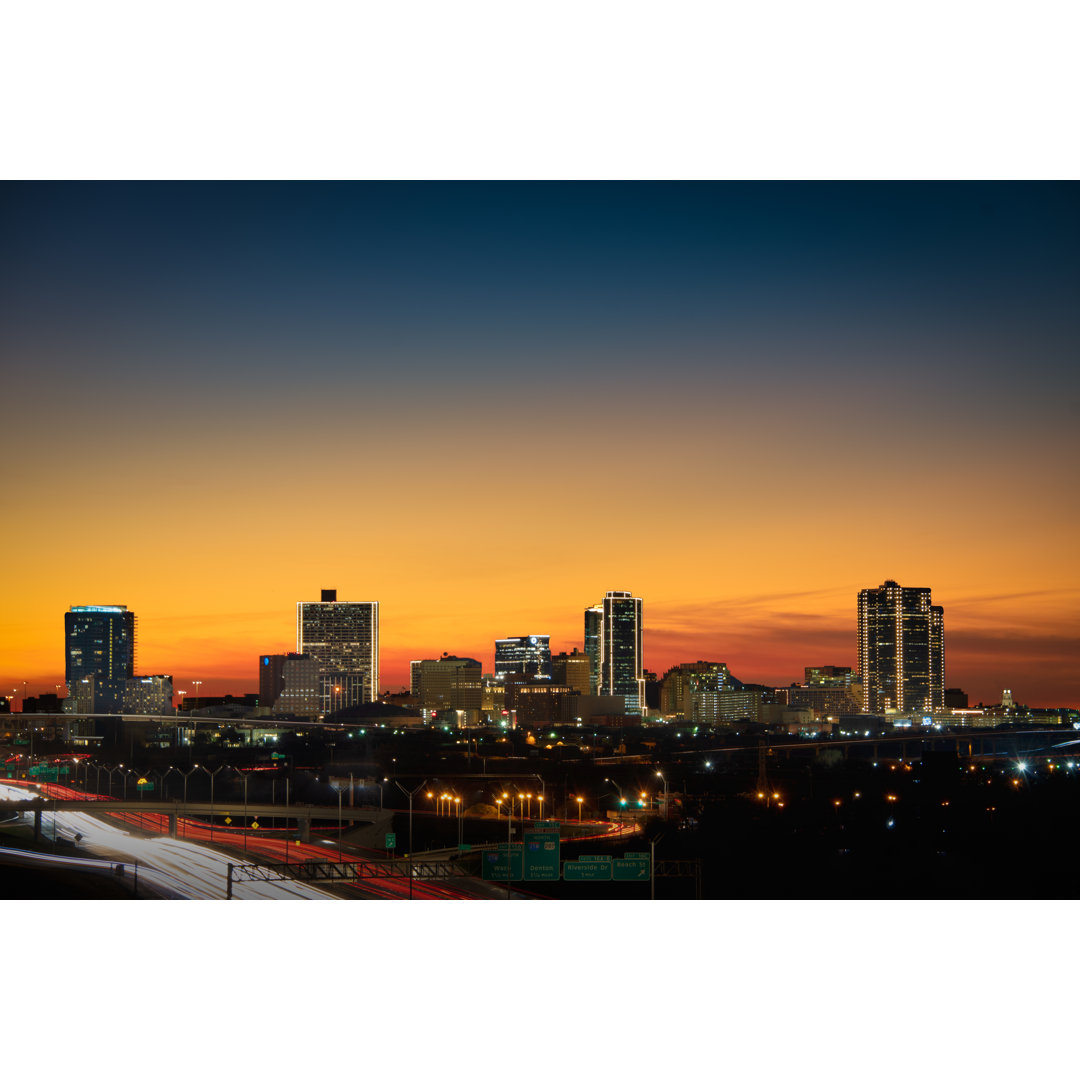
(486, 405)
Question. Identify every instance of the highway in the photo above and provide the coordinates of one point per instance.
(187, 870)
(176, 869)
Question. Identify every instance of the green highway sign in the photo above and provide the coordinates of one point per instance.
(391, 841)
(464, 847)
(626, 869)
(594, 858)
(587, 871)
(635, 855)
(502, 865)
(541, 855)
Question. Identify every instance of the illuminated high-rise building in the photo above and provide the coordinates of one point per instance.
(613, 636)
(528, 655)
(901, 649)
(343, 640)
(100, 654)
(594, 621)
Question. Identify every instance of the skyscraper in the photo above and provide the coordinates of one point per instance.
(343, 640)
(613, 636)
(901, 649)
(594, 621)
(100, 655)
(528, 655)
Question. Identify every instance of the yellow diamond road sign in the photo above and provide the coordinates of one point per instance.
(228, 821)
(254, 824)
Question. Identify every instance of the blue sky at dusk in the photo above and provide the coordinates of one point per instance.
(735, 390)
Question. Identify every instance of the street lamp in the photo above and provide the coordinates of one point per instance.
(244, 780)
(110, 770)
(410, 794)
(211, 774)
(580, 800)
(509, 832)
(196, 683)
(661, 776)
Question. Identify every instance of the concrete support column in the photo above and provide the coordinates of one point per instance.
(304, 825)
(172, 824)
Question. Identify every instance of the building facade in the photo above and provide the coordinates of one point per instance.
(594, 621)
(271, 677)
(901, 649)
(572, 669)
(300, 684)
(100, 641)
(615, 637)
(149, 695)
(343, 640)
(528, 655)
(450, 682)
(683, 679)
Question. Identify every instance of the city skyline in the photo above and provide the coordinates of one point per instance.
(431, 395)
(216, 685)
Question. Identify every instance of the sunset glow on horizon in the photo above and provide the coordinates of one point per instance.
(486, 405)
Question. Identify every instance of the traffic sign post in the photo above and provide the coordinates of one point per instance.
(541, 856)
(633, 866)
(391, 841)
(587, 870)
(502, 865)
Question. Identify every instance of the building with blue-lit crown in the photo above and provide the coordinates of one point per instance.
(99, 647)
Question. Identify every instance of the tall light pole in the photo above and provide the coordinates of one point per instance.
(212, 774)
(244, 780)
(414, 791)
(185, 775)
(410, 794)
(580, 800)
(509, 832)
(661, 776)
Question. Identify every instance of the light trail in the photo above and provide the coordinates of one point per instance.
(176, 867)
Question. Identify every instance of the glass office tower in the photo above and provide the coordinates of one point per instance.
(100, 655)
(528, 655)
(613, 645)
(901, 649)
